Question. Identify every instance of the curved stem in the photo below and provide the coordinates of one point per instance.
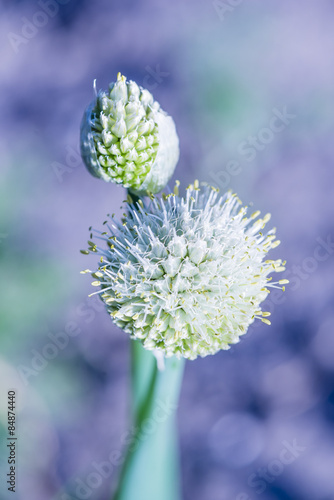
(143, 411)
(150, 469)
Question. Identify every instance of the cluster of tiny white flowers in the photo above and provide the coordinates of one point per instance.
(128, 139)
(186, 275)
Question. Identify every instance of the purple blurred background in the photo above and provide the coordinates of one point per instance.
(251, 88)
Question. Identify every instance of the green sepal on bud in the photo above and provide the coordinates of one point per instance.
(128, 139)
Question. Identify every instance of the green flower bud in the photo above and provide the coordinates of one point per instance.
(128, 139)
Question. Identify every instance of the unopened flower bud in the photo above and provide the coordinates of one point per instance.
(128, 139)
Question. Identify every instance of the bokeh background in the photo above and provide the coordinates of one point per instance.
(223, 70)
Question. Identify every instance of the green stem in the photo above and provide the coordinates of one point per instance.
(151, 467)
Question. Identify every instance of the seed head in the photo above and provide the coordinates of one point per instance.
(186, 275)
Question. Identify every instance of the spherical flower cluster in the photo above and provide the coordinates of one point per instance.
(128, 139)
(186, 275)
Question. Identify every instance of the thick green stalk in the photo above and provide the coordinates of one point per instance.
(151, 467)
